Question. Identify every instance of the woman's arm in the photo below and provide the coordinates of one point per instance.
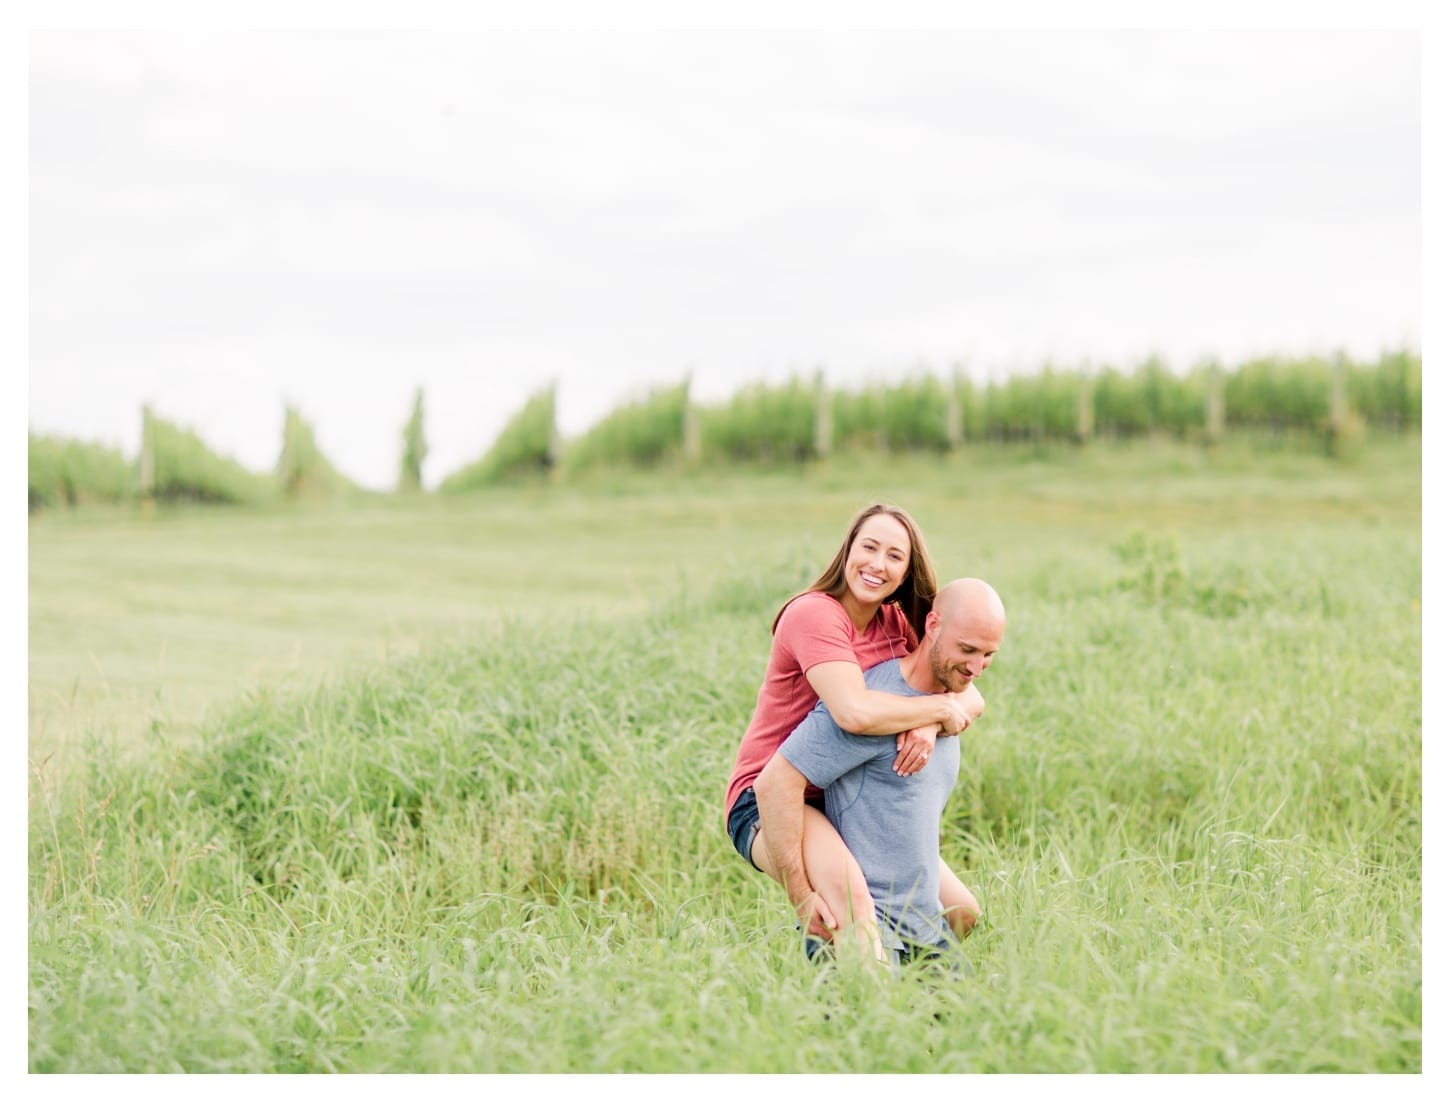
(915, 746)
(841, 686)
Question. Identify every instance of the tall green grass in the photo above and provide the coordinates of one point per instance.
(1192, 813)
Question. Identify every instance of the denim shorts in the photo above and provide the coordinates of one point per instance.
(743, 824)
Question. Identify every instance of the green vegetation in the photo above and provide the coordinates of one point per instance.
(302, 470)
(1027, 408)
(1387, 393)
(1309, 403)
(1150, 399)
(415, 449)
(646, 432)
(912, 415)
(762, 424)
(63, 471)
(177, 466)
(1192, 812)
(527, 448)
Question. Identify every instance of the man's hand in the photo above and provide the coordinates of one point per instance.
(780, 796)
(816, 918)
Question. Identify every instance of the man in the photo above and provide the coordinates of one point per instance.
(889, 822)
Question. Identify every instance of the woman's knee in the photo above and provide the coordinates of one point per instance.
(962, 920)
(959, 905)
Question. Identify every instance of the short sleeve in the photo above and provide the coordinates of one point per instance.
(816, 629)
(823, 752)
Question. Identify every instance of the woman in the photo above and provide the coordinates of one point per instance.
(869, 606)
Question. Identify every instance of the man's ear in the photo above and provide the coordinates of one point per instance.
(933, 621)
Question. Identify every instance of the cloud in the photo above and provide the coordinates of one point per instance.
(220, 219)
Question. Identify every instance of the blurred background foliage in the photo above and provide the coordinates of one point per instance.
(1311, 402)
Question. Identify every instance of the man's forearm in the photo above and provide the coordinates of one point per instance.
(780, 796)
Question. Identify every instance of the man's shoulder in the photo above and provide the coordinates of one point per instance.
(886, 677)
(820, 737)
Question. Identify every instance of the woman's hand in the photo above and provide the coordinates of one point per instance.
(971, 696)
(913, 748)
(963, 709)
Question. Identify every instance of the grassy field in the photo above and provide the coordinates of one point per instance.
(436, 786)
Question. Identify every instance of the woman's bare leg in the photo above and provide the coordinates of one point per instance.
(959, 904)
(835, 874)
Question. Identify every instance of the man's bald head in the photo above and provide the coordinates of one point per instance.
(963, 632)
(969, 598)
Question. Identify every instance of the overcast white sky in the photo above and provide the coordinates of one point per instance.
(221, 223)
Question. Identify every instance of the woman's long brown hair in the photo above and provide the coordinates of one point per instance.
(917, 589)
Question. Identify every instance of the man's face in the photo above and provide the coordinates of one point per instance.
(963, 649)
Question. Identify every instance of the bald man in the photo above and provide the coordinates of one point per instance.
(889, 822)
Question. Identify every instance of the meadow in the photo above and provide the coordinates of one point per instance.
(435, 784)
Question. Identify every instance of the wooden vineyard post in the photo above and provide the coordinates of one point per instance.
(1338, 397)
(148, 462)
(690, 429)
(554, 451)
(1085, 424)
(954, 412)
(1213, 415)
(823, 416)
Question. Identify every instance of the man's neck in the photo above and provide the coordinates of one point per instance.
(916, 671)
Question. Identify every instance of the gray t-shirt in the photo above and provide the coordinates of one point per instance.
(889, 823)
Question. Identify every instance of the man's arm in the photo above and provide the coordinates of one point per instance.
(780, 796)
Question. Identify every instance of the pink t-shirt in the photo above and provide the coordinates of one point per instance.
(814, 628)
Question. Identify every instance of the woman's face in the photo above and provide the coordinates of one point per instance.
(878, 559)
